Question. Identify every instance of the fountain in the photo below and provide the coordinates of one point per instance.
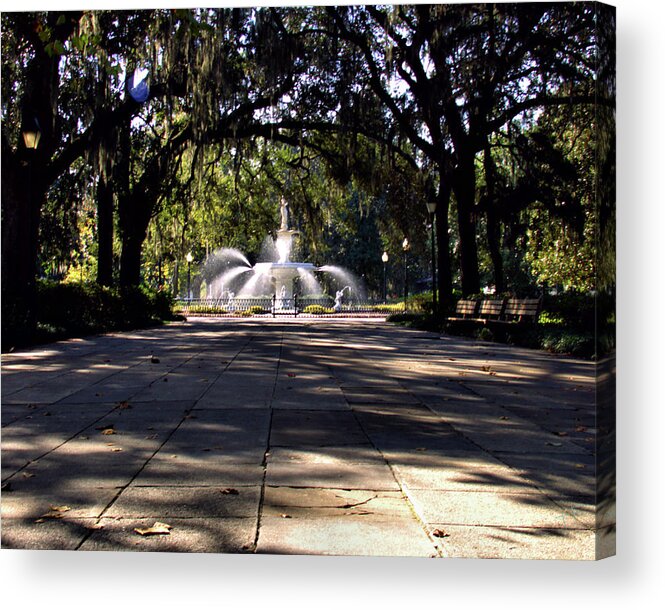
(225, 271)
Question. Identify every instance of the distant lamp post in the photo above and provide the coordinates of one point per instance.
(31, 132)
(406, 246)
(189, 258)
(431, 208)
(384, 258)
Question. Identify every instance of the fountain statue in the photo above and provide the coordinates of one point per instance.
(338, 299)
(284, 212)
(275, 274)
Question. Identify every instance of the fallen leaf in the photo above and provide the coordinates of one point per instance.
(124, 405)
(562, 433)
(285, 516)
(229, 491)
(440, 534)
(504, 418)
(581, 429)
(28, 475)
(39, 520)
(157, 529)
(116, 449)
(56, 512)
(108, 431)
(580, 466)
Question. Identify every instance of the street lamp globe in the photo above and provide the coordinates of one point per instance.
(31, 132)
(384, 257)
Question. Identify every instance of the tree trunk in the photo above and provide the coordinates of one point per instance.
(464, 186)
(493, 224)
(494, 244)
(130, 258)
(443, 246)
(22, 199)
(104, 231)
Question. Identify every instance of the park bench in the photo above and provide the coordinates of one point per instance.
(497, 311)
(491, 309)
(465, 310)
(521, 311)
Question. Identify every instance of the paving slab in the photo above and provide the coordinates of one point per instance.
(331, 475)
(301, 436)
(209, 535)
(60, 534)
(170, 502)
(352, 535)
(172, 469)
(486, 542)
(490, 508)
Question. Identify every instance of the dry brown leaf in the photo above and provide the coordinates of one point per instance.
(285, 516)
(56, 512)
(157, 529)
(440, 534)
(229, 491)
(124, 405)
(28, 475)
(108, 431)
(116, 449)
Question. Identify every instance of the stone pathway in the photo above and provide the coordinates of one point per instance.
(300, 436)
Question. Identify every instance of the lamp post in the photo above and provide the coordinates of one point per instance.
(431, 208)
(31, 132)
(384, 258)
(405, 247)
(189, 259)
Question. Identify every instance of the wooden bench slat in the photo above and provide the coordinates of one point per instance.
(502, 311)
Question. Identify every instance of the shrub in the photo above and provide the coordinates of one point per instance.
(318, 310)
(256, 310)
(485, 334)
(71, 309)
